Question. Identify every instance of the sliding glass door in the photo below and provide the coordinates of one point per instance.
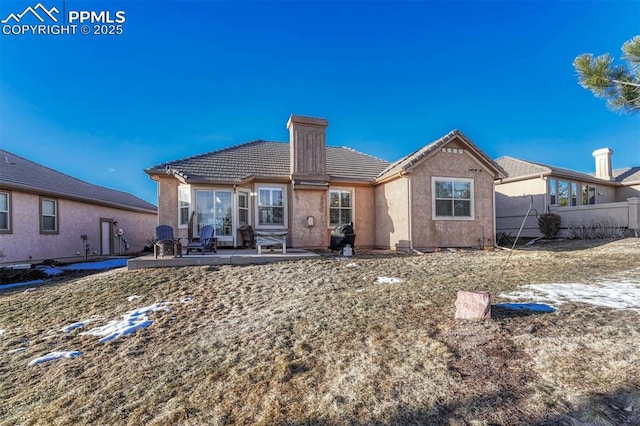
(215, 207)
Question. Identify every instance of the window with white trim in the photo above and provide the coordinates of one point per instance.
(243, 208)
(452, 198)
(340, 207)
(184, 201)
(48, 216)
(271, 206)
(5, 212)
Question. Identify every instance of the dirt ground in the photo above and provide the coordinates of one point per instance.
(322, 342)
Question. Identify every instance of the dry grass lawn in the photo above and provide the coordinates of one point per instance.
(318, 342)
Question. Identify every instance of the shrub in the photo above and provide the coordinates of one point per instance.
(596, 229)
(549, 224)
(504, 239)
(9, 276)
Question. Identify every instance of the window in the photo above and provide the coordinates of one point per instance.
(5, 212)
(588, 194)
(563, 193)
(184, 200)
(48, 216)
(340, 207)
(271, 206)
(553, 191)
(453, 198)
(243, 208)
(574, 193)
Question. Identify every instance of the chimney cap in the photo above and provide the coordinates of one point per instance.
(602, 151)
(308, 121)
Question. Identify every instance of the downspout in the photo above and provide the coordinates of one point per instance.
(405, 175)
(495, 219)
(546, 192)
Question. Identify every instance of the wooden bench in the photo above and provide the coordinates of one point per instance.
(271, 239)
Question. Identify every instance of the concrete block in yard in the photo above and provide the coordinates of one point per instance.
(473, 305)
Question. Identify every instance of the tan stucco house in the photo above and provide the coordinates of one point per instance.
(607, 196)
(439, 196)
(45, 214)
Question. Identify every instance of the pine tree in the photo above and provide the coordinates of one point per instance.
(619, 84)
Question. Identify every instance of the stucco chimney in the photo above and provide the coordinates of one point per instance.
(307, 145)
(603, 163)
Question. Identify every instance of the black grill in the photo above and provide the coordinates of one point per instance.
(341, 236)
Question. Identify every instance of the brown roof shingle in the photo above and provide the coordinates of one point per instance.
(627, 175)
(267, 159)
(522, 168)
(19, 173)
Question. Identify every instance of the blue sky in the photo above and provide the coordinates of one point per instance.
(194, 76)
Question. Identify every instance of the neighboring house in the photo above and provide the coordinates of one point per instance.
(45, 214)
(439, 196)
(607, 196)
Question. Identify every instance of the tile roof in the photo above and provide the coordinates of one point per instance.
(627, 175)
(268, 159)
(19, 173)
(521, 168)
(408, 161)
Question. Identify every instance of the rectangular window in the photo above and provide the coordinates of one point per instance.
(184, 201)
(453, 198)
(588, 194)
(574, 193)
(553, 191)
(243, 208)
(563, 193)
(340, 207)
(48, 216)
(271, 206)
(5, 212)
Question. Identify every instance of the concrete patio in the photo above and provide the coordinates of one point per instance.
(223, 257)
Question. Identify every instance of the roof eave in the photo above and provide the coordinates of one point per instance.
(73, 197)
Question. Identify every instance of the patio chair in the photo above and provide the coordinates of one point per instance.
(206, 241)
(166, 243)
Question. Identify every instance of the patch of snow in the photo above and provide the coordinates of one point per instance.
(17, 350)
(387, 280)
(30, 290)
(129, 323)
(352, 265)
(55, 355)
(78, 324)
(83, 266)
(186, 299)
(134, 297)
(617, 295)
(2, 332)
